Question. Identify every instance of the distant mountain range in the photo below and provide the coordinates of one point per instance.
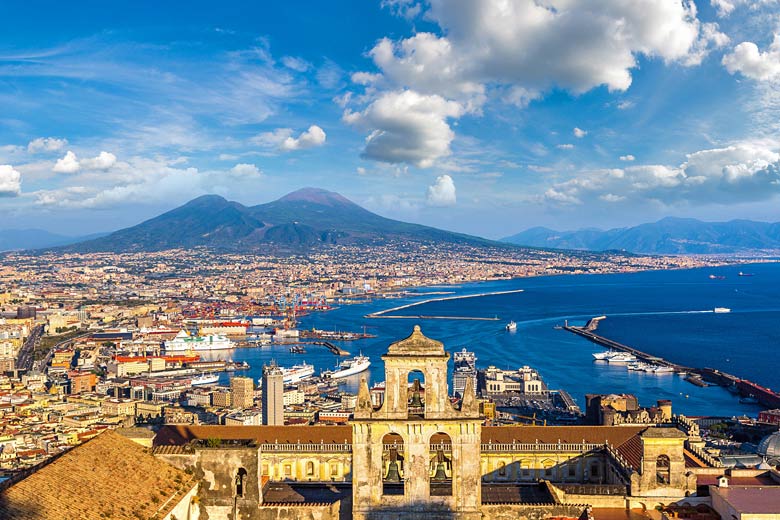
(667, 236)
(16, 239)
(302, 220)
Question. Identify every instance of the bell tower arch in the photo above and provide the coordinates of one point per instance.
(437, 465)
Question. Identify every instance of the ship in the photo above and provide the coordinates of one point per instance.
(348, 367)
(511, 326)
(296, 373)
(662, 369)
(603, 356)
(751, 399)
(622, 357)
(745, 274)
(717, 277)
(721, 310)
(184, 342)
(205, 379)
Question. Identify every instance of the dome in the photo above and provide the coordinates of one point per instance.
(770, 446)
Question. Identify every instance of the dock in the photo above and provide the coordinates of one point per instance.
(696, 376)
(383, 314)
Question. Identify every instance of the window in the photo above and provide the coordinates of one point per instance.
(241, 475)
(662, 469)
(310, 469)
(594, 470)
(572, 470)
(501, 469)
(265, 470)
(287, 470)
(334, 469)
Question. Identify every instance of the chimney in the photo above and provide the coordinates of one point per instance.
(723, 481)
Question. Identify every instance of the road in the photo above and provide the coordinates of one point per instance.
(25, 359)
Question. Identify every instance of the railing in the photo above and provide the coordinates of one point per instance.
(306, 447)
(703, 455)
(517, 446)
(625, 468)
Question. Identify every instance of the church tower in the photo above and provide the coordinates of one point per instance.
(417, 454)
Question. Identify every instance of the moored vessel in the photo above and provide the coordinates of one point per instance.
(184, 342)
(348, 367)
(204, 379)
(296, 373)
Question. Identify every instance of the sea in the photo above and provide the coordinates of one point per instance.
(667, 313)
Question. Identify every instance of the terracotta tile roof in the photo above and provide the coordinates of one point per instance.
(631, 450)
(108, 475)
(614, 435)
(181, 434)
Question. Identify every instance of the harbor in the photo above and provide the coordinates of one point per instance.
(748, 391)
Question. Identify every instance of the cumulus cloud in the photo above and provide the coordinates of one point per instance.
(442, 192)
(68, 164)
(628, 157)
(103, 161)
(10, 181)
(407, 127)
(749, 61)
(314, 136)
(743, 172)
(245, 170)
(46, 144)
(579, 133)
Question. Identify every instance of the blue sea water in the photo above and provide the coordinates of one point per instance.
(666, 313)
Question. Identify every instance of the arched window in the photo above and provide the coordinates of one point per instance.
(502, 469)
(416, 393)
(440, 473)
(393, 464)
(310, 469)
(662, 469)
(240, 482)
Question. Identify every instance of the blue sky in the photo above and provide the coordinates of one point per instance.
(484, 117)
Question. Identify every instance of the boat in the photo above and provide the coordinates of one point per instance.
(639, 366)
(602, 356)
(297, 373)
(717, 277)
(348, 367)
(184, 342)
(622, 357)
(751, 399)
(204, 379)
(662, 369)
(721, 310)
(733, 389)
(511, 326)
(297, 349)
(745, 274)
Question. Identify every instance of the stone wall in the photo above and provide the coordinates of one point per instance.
(531, 512)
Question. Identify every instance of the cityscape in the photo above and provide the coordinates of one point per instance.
(258, 293)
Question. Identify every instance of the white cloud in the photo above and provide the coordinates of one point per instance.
(726, 7)
(442, 192)
(10, 181)
(296, 64)
(46, 144)
(103, 161)
(565, 146)
(752, 63)
(245, 170)
(628, 157)
(579, 133)
(314, 136)
(68, 164)
(625, 105)
(743, 172)
(407, 127)
(405, 8)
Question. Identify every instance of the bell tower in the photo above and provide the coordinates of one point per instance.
(417, 454)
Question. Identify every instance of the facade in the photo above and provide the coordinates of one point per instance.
(242, 392)
(273, 396)
(418, 455)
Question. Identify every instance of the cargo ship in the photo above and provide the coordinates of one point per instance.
(184, 342)
(348, 367)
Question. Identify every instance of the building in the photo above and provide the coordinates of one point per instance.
(242, 392)
(465, 367)
(617, 409)
(418, 455)
(770, 417)
(273, 396)
(524, 380)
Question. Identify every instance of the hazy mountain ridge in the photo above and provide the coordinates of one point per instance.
(667, 236)
(19, 239)
(304, 219)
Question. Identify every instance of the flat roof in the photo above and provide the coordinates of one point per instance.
(751, 499)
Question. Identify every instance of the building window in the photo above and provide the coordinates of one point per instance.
(309, 469)
(594, 470)
(662, 469)
(572, 470)
(334, 469)
(501, 469)
(265, 470)
(288, 470)
(240, 482)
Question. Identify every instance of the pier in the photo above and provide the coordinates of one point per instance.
(383, 314)
(696, 376)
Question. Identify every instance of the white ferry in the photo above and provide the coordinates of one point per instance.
(721, 310)
(183, 342)
(511, 326)
(622, 357)
(205, 379)
(602, 356)
(296, 373)
(348, 367)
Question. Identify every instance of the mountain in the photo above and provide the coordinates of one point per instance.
(667, 236)
(16, 239)
(301, 220)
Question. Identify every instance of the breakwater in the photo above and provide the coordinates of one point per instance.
(696, 376)
(386, 313)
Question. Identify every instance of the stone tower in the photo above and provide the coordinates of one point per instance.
(416, 454)
(662, 472)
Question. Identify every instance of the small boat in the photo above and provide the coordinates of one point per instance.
(732, 388)
(721, 310)
(297, 349)
(751, 399)
(717, 277)
(511, 326)
(662, 369)
(745, 274)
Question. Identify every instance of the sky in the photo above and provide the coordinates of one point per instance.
(485, 117)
